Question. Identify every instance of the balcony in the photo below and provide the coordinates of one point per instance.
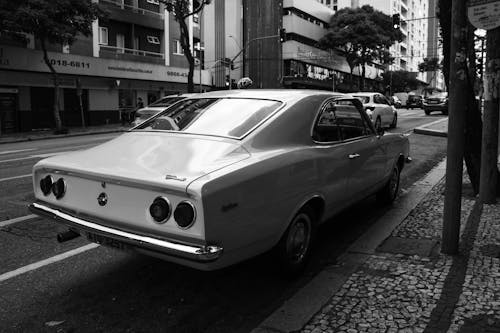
(126, 11)
(121, 53)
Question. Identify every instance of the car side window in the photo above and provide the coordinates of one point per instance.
(352, 125)
(326, 128)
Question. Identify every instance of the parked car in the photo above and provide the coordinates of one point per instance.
(246, 172)
(436, 102)
(379, 109)
(145, 113)
(414, 101)
(396, 101)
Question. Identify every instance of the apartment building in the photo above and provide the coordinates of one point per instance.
(434, 47)
(414, 26)
(134, 53)
(296, 62)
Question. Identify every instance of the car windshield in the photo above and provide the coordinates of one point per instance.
(363, 99)
(439, 95)
(166, 101)
(229, 117)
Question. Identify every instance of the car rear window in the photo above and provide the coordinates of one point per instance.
(228, 117)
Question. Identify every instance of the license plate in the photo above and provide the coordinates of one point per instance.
(106, 241)
(433, 102)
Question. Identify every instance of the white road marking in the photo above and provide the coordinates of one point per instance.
(45, 262)
(17, 219)
(15, 177)
(16, 151)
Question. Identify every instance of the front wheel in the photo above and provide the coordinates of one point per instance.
(394, 121)
(294, 248)
(390, 191)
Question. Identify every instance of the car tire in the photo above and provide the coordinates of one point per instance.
(390, 191)
(427, 112)
(394, 121)
(378, 125)
(294, 247)
(445, 112)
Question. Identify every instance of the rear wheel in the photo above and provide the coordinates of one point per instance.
(445, 112)
(427, 112)
(390, 191)
(378, 124)
(294, 248)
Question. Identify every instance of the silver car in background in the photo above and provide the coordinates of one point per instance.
(379, 109)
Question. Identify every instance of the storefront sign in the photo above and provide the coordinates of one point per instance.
(32, 60)
(484, 14)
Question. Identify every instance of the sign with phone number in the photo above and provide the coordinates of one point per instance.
(66, 63)
(484, 14)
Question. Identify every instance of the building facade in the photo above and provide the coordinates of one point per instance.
(434, 47)
(414, 25)
(134, 54)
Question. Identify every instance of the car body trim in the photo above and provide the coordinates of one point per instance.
(108, 180)
(199, 253)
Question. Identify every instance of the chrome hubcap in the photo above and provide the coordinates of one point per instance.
(299, 238)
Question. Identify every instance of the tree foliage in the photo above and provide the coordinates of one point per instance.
(50, 22)
(363, 35)
(429, 65)
(182, 10)
(401, 81)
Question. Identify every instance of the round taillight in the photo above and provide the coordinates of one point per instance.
(160, 210)
(59, 188)
(46, 184)
(185, 214)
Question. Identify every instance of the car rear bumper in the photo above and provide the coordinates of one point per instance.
(197, 253)
(435, 107)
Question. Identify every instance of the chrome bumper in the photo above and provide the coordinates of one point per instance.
(197, 253)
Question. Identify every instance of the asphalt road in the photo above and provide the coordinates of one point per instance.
(102, 290)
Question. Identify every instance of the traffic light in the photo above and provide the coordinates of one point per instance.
(282, 35)
(396, 21)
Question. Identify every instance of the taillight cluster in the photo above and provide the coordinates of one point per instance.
(184, 214)
(58, 187)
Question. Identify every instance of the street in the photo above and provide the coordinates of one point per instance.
(46, 287)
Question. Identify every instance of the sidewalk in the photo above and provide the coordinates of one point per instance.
(436, 128)
(73, 131)
(406, 284)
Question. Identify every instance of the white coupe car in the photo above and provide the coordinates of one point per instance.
(379, 109)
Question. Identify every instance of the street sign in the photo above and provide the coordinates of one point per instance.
(484, 14)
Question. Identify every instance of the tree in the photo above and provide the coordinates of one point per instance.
(363, 35)
(50, 22)
(473, 122)
(401, 81)
(182, 9)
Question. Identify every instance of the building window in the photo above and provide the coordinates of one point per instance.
(178, 47)
(154, 2)
(153, 39)
(103, 35)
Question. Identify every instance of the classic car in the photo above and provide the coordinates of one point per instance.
(379, 109)
(147, 112)
(436, 102)
(241, 173)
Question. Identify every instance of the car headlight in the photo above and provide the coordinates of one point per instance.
(59, 188)
(46, 184)
(160, 210)
(185, 214)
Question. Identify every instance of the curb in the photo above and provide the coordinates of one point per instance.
(294, 314)
(54, 136)
(427, 131)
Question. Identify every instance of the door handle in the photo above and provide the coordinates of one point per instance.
(353, 156)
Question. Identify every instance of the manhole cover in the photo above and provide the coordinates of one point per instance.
(408, 246)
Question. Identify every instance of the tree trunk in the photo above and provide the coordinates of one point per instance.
(363, 73)
(57, 116)
(186, 47)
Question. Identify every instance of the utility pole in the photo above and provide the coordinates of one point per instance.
(456, 126)
(489, 150)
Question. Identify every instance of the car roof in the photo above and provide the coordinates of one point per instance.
(364, 93)
(283, 95)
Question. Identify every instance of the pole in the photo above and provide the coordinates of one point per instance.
(489, 150)
(200, 77)
(456, 127)
(230, 82)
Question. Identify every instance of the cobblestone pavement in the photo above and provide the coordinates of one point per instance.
(409, 293)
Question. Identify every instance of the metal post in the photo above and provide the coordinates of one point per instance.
(200, 77)
(456, 126)
(230, 82)
(489, 152)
